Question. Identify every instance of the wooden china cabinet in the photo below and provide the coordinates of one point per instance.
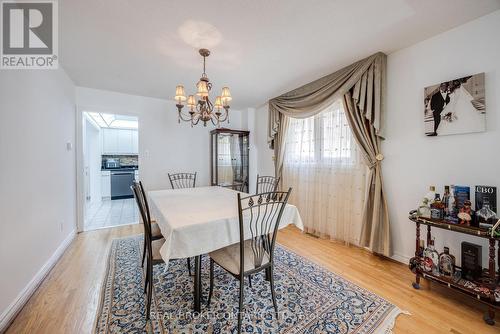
(229, 158)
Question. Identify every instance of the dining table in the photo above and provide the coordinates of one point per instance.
(197, 221)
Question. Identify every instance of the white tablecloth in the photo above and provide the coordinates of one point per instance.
(197, 221)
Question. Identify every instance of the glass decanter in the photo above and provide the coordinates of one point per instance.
(485, 214)
(446, 263)
(431, 259)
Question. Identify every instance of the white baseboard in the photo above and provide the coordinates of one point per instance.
(13, 309)
(401, 258)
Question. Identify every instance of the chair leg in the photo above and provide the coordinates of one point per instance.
(211, 282)
(189, 265)
(143, 253)
(250, 280)
(273, 294)
(150, 292)
(146, 281)
(242, 298)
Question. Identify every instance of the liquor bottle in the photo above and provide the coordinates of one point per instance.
(446, 200)
(446, 263)
(452, 203)
(431, 259)
(437, 208)
(485, 215)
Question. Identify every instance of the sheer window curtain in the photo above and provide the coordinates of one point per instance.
(322, 164)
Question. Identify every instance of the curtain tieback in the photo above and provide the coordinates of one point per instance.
(378, 159)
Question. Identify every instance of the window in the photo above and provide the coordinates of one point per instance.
(322, 139)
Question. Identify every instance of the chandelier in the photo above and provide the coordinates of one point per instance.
(201, 108)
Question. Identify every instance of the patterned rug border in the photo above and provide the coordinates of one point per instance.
(384, 325)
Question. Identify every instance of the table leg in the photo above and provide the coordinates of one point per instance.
(197, 284)
(268, 274)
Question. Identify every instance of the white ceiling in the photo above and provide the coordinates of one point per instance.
(260, 48)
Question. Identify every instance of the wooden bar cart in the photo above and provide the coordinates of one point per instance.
(482, 289)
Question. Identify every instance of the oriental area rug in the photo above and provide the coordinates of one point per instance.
(310, 299)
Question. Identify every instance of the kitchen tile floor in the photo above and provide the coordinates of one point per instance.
(110, 213)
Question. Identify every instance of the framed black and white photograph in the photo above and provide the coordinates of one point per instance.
(456, 106)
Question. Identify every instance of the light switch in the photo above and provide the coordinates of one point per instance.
(69, 146)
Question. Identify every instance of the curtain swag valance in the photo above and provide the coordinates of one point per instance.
(365, 78)
(361, 87)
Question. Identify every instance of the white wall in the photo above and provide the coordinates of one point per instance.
(414, 161)
(265, 163)
(37, 178)
(164, 145)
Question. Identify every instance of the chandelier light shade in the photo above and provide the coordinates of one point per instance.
(200, 106)
(180, 95)
(226, 95)
(202, 88)
(191, 102)
(218, 103)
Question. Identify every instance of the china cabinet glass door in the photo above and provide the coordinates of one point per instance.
(229, 155)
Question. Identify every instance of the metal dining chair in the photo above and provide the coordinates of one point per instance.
(260, 215)
(155, 229)
(182, 180)
(266, 184)
(152, 247)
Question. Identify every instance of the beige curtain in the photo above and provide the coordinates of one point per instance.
(362, 88)
(375, 230)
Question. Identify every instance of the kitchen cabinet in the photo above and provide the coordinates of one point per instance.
(135, 141)
(106, 184)
(120, 141)
(109, 141)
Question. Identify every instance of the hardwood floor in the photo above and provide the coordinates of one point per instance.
(67, 300)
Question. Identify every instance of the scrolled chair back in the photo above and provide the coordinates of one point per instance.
(182, 180)
(260, 215)
(266, 184)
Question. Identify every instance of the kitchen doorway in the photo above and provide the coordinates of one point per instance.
(110, 164)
